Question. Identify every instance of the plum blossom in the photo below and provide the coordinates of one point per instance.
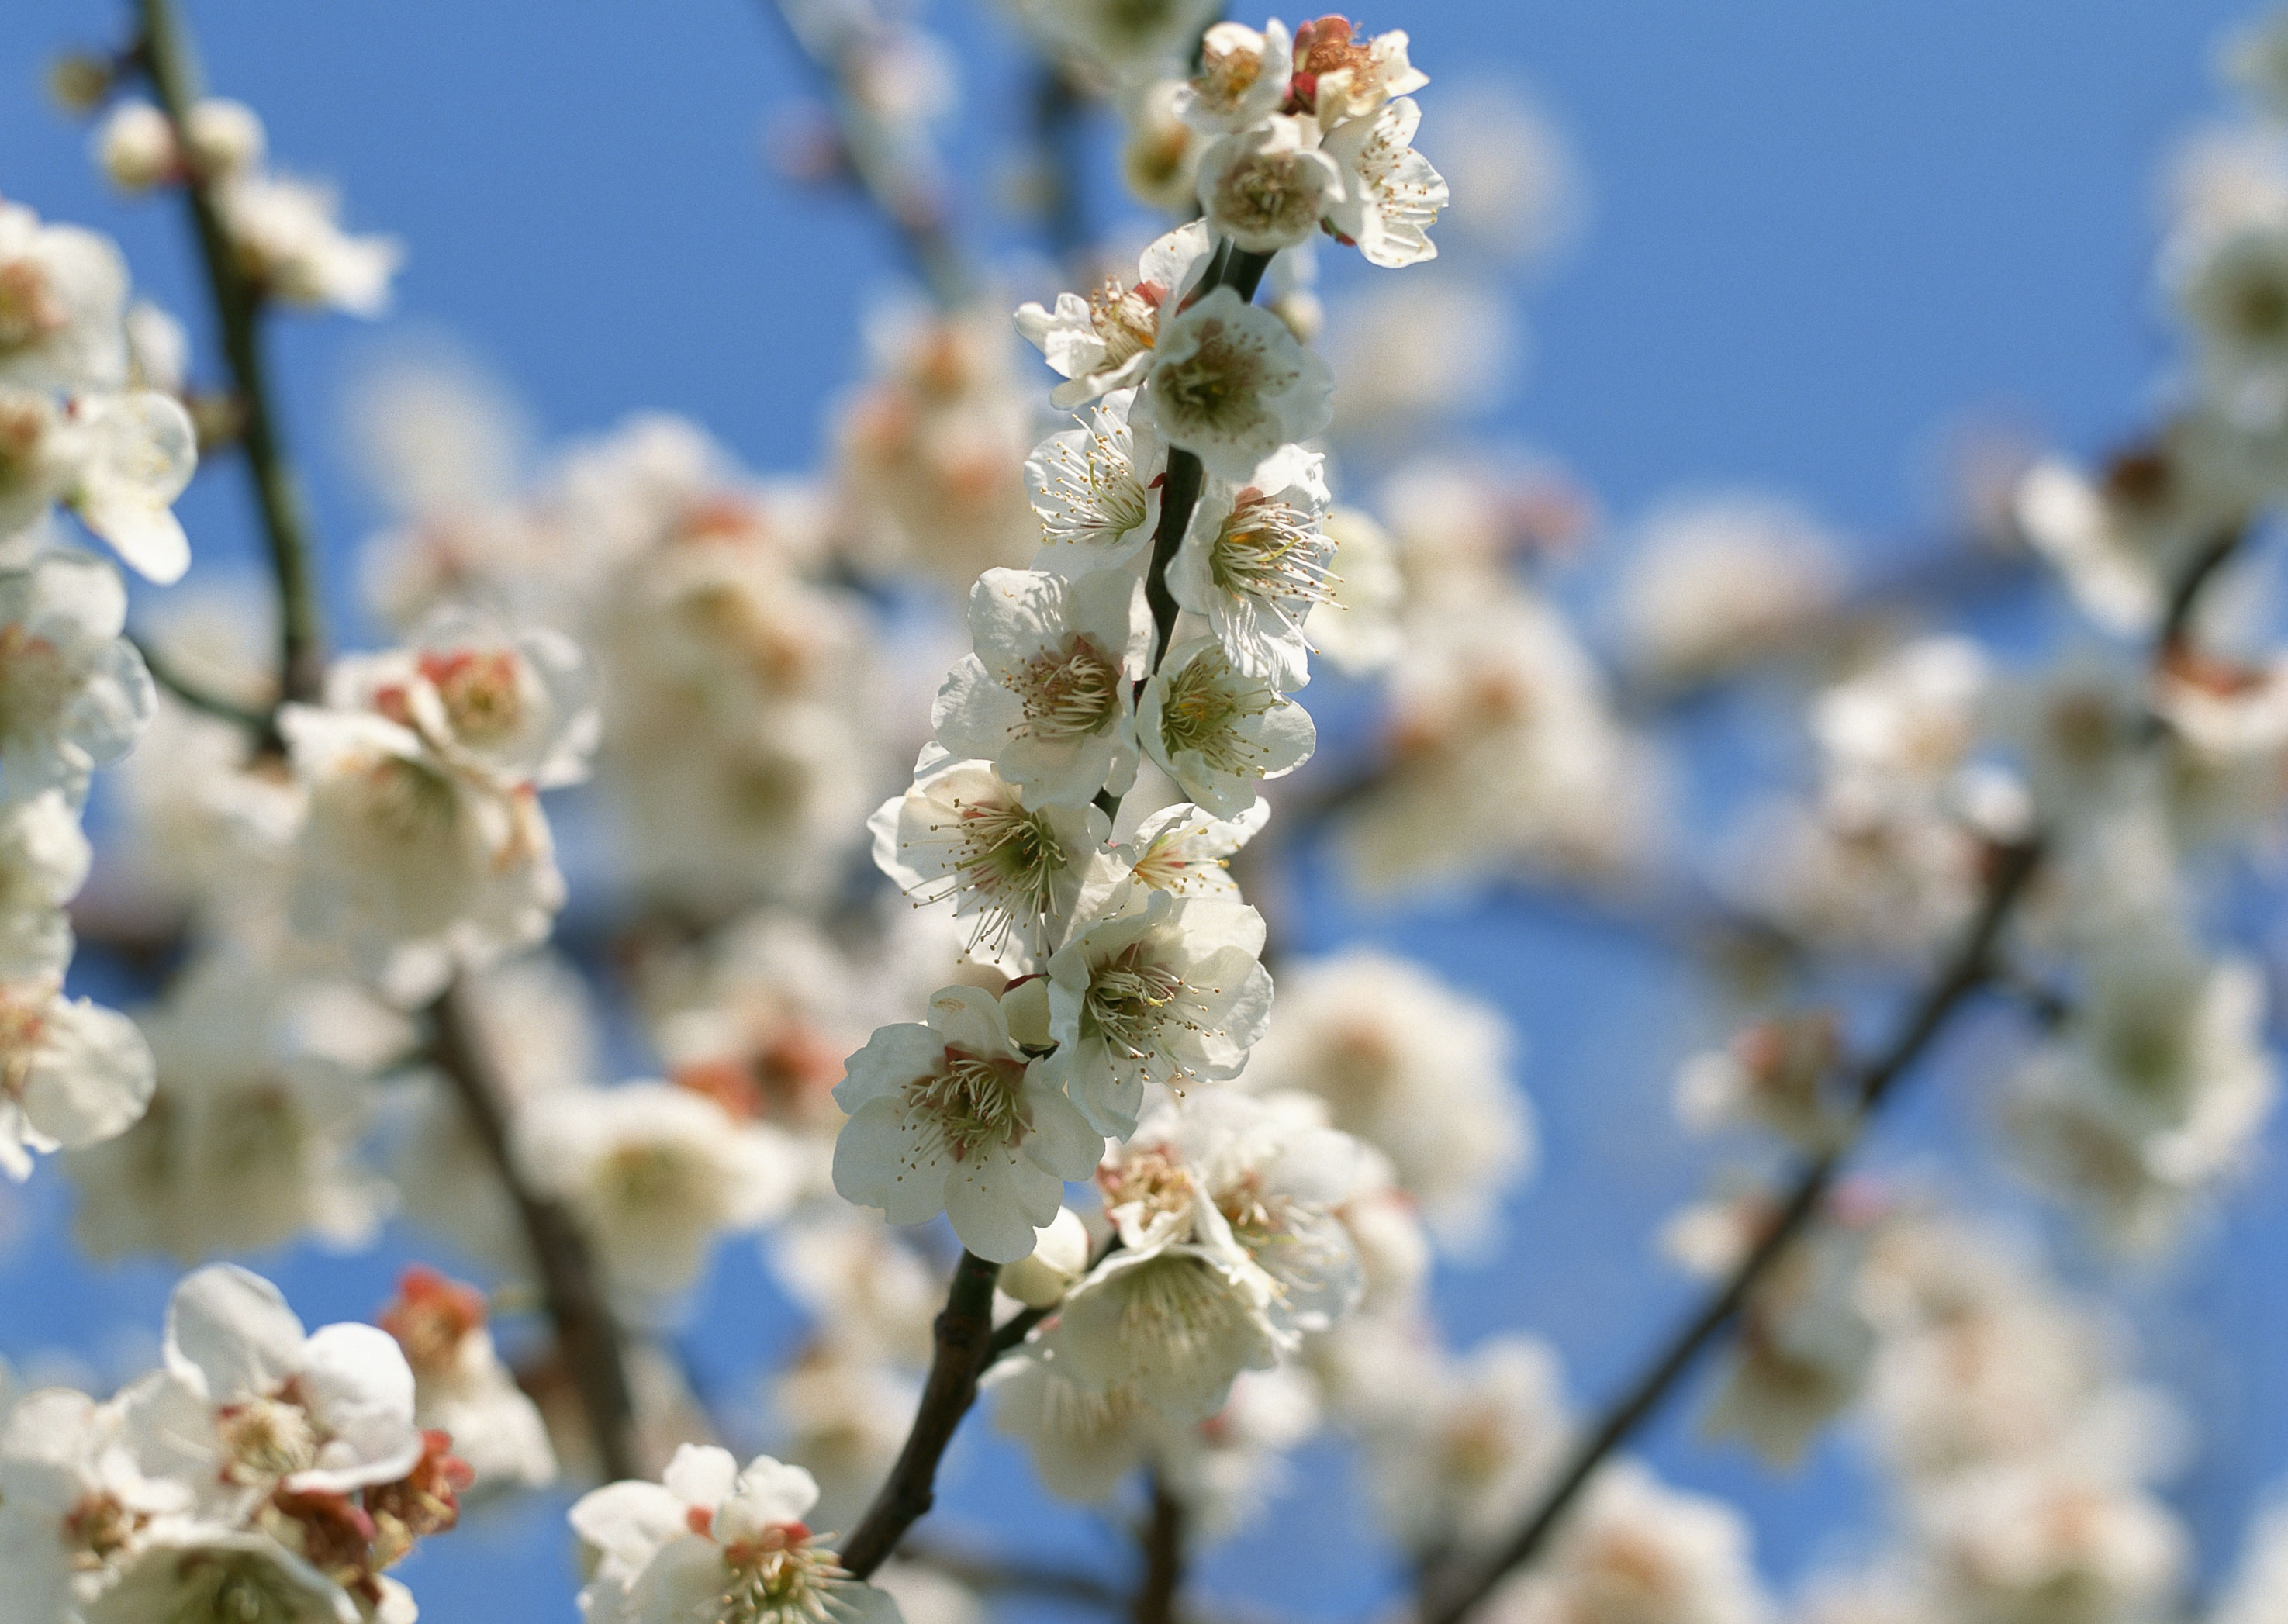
(1254, 561)
(655, 1172)
(1340, 77)
(1096, 489)
(72, 1075)
(1242, 77)
(291, 244)
(1458, 1447)
(713, 1541)
(460, 1386)
(63, 290)
(1390, 195)
(1638, 1552)
(1186, 850)
(1159, 988)
(1048, 696)
(1016, 872)
(1266, 186)
(1413, 1067)
(1228, 383)
(44, 861)
(74, 694)
(73, 1498)
(953, 1117)
(1105, 342)
(1218, 732)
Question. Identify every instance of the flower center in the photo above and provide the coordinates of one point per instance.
(267, 1438)
(1009, 857)
(407, 801)
(1129, 999)
(34, 683)
(970, 1101)
(484, 699)
(1127, 320)
(1269, 550)
(233, 1588)
(1094, 497)
(1218, 385)
(25, 420)
(98, 1528)
(780, 1577)
(1205, 704)
(645, 1176)
(22, 1022)
(1070, 692)
(1271, 191)
(1152, 1180)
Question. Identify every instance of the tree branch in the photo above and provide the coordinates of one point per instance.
(1162, 1537)
(1451, 1589)
(171, 62)
(965, 1338)
(587, 1333)
(905, 183)
(164, 672)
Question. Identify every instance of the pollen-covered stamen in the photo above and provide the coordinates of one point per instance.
(1203, 706)
(1269, 550)
(1151, 1180)
(484, 699)
(36, 683)
(779, 1577)
(97, 1528)
(1132, 998)
(1006, 856)
(22, 1021)
(267, 1439)
(409, 801)
(1069, 691)
(1094, 494)
(1127, 320)
(1218, 385)
(1181, 1307)
(971, 1101)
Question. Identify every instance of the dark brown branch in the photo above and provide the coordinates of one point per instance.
(1163, 1538)
(171, 62)
(2176, 619)
(1452, 1589)
(587, 1333)
(965, 1338)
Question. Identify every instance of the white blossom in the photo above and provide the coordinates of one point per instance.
(63, 291)
(289, 244)
(71, 1074)
(1186, 850)
(2041, 1543)
(1635, 1551)
(44, 861)
(1255, 560)
(1228, 383)
(1106, 342)
(73, 1498)
(1267, 185)
(1048, 696)
(1243, 76)
(460, 1386)
(1218, 732)
(1119, 40)
(74, 694)
(1390, 194)
(655, 1172)
(953, 1117)
(714, 1541)
(1155, 988)
(1096, 489)
(1458, 1449)
(1342, 76)
(1413, 1067)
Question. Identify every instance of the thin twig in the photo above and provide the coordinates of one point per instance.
(1452, 1589)
(1163, 1538)
(164, 672)
(905, 181)
(587, 1334)
(2176, 620)
(964, 1337)
(171, 61)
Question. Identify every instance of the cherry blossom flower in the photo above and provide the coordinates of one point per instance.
(1096, 489)
(71, 1074)
(1171, 1324)
(2044, 1543)
(953, 1117)
(1106, 343)
(963, 832)
(73, 1501)
(1267, 185)
(1048, 696)
(1242, 78)
(461, 1388)
(1159, 988)
(1390, 196)
(63, 291)
(1255, 560)
(74, 694)
(1218, 732)
(1184, 851)
(44, 861)
(1228, 382)
(715, 1540)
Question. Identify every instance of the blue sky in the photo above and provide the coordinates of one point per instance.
(1821, 236)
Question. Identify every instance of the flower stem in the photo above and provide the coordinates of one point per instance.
(1162, 1536)
(171, 62)
(965, 1340)
(1450, 1589)
(587, 1333)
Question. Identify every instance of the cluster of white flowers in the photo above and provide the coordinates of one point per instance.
(264, 1472)
(283, 231)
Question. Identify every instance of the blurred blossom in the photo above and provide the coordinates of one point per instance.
(1518, 192)
(1427, 348)
(1715, 581)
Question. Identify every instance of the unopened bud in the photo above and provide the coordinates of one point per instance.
(135, 147)
(78, 81)
(1059, 1258)
(224, 138)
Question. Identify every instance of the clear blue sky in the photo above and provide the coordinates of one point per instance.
(1822, 232)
